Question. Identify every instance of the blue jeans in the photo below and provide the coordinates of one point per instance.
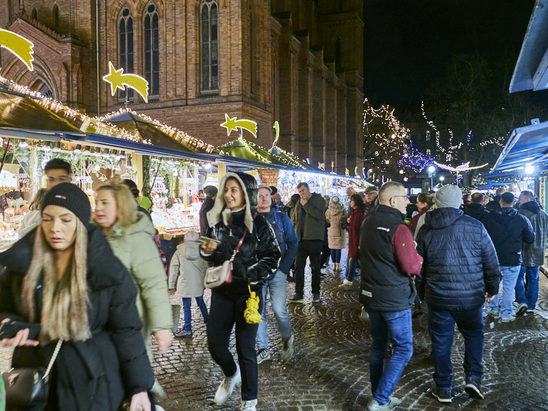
(441, 325)
(528, 293)
(278, 297)
(351, 268)
(508, 287)
(396, 326)
(187, 313)
(336, 256)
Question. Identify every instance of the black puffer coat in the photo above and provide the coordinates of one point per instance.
(460, 262)
(533, 254)
(99, 373)
(509, 230)
(259, 255)
(476, 210)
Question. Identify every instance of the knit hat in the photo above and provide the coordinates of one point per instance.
(210, 191)
(449, 195)
(335, 200)
(191, 236)
(266, 187)
(145, 202)
(69, 196)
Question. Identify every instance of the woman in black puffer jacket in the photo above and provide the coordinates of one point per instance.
(232, 217)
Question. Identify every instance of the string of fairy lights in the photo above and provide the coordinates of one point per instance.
(387, 143)
(84, 122)
(176, 134)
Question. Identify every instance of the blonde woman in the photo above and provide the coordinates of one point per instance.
(63, 282)
(130, 234)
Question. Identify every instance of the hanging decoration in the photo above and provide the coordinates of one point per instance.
(118, 80)
(458, 170)
(19, 46)
(276, 128)
(232, 123)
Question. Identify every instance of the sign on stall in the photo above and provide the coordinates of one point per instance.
(269, 177)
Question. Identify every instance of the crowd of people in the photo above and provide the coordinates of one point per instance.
(94, 283)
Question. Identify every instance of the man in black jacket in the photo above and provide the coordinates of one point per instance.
(509, 230)
(475, 208)
(460, 267)
(389, 260)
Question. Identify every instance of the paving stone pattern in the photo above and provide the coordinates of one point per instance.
(330, 369)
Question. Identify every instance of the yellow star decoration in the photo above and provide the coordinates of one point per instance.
(118, 80)
(232, 123)
(19, 46)
(229, 124)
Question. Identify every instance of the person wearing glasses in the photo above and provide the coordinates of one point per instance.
(389, 263)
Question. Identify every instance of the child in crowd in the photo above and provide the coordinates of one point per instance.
(186, 281)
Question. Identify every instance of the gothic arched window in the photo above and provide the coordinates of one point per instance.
(55, 16)
(209, 50)
(125, 44)
(151, 48)
(34, 14)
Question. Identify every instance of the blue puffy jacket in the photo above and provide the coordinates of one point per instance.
(460, 261)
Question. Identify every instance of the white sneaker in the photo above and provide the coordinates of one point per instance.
(248, 405)
(227, 386)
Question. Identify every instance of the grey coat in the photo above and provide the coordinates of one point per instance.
(335, 234)
(533, 254)
(313, 226)
(186, 272)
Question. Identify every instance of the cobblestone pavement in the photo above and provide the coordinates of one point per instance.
(330, 369)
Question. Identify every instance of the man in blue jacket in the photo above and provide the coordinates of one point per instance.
(460, 267)
(509, 230)
(287, 239)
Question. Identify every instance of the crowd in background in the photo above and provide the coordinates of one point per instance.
(97, 286)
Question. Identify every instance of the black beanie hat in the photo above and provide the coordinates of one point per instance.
(69, 196)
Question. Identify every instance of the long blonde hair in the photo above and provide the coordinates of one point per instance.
(64, 305)
(125, 202)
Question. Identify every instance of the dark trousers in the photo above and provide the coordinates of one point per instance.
(225, 311)
(336, 256)
(308, 249)
(441, 325)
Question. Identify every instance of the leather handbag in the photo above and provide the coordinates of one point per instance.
(215, 276)
(29, 387)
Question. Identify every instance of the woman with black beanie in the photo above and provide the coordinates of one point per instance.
(63, 283)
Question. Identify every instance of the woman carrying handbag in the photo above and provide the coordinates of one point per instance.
(63, 283)
(232, 221)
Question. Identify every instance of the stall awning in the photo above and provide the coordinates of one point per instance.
(527, 146)
(531, 71)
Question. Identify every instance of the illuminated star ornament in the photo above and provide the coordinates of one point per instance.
(118, 80)
(19, 46)
(459, 169)
(232, 123)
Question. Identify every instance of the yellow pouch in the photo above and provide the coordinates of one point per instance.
(251, 313)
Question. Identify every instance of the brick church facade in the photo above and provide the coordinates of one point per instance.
(296, 61)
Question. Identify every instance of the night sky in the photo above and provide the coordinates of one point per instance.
(409, 43)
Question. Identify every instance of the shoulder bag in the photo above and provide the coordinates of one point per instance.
(215, 276)
(29, 387)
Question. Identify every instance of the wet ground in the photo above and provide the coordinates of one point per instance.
(330, 368)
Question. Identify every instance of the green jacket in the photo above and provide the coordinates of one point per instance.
(314, 219)
(136, 249)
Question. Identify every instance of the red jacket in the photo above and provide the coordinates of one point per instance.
(354, 231)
